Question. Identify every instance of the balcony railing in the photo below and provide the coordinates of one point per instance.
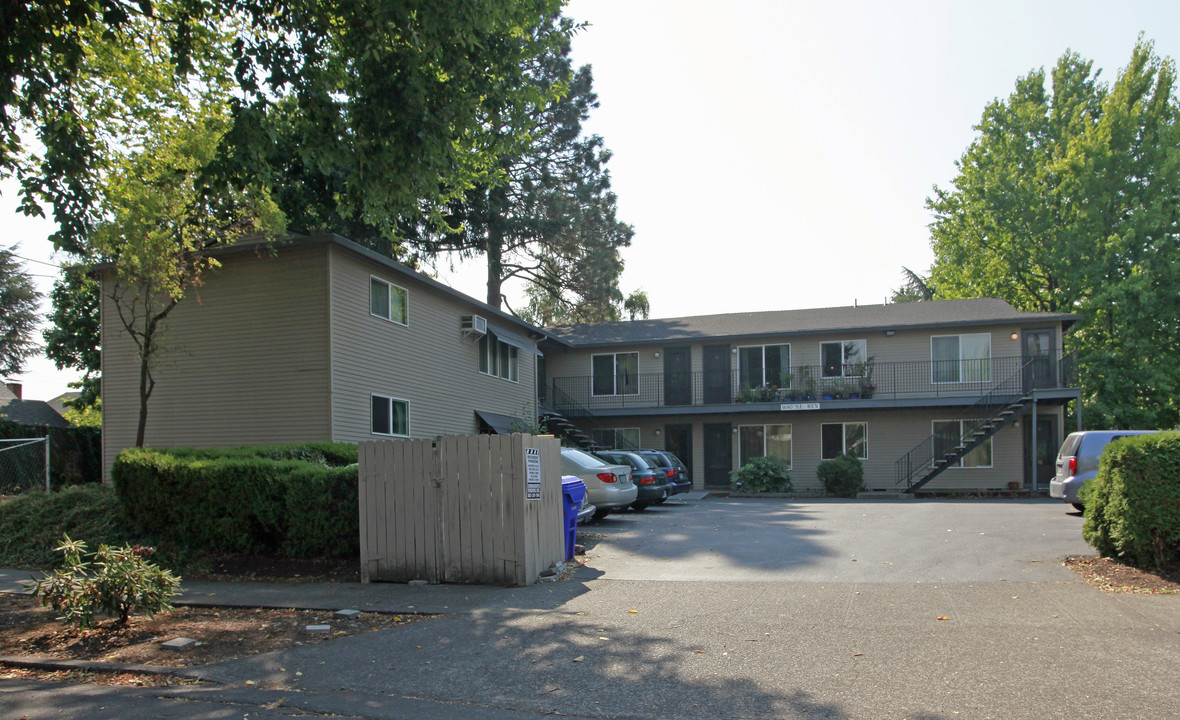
(921, 379)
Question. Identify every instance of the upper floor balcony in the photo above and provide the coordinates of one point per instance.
(811, 387)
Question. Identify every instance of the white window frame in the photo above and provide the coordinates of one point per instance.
(844, 438)
(790, 462)
(614, 444)
(864, 345)
(934, 364)
(962, 429)
(375, 396)
(389, 287)
(765, 383)
(488, 354)
(614, 374)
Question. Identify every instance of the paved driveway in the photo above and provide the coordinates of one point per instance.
(841, 541)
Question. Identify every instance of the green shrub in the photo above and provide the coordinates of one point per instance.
(32, 524)
(842, 476)
(1133, 505)
(762, 475)
(116, 581)
(245, 501)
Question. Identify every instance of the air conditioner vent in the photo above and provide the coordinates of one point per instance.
(473, 325)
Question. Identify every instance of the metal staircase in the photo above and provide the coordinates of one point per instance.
(560, 425)
(990, 414)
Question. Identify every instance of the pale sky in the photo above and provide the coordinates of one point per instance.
(778, 155)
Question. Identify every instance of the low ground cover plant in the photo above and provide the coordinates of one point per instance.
(762, 475)
(842, 476)
(1133, 505)
(33, 523)
(115, 581)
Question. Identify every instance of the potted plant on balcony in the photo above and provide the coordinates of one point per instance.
(867, 386)
(806, 384)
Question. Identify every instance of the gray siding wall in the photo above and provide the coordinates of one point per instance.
(891, 434)
(427, 362)
(246, 360)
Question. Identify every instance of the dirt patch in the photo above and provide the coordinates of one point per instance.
(269, 569)
(31, 631)
(1115, 577)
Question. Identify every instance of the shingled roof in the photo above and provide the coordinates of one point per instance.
(894, 316)
(29, 412)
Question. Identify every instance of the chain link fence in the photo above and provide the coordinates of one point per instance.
(24, 465)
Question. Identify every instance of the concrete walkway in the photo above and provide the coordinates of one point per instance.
(628, 638)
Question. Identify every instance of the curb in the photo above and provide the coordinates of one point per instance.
(37, 663)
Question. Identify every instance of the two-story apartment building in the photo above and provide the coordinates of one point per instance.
(949, 395)
(319, 339)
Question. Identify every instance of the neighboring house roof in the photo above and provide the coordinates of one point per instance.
(29, 412)
(61, 402)
(857, 318)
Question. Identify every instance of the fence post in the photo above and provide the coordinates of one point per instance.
(48, 489)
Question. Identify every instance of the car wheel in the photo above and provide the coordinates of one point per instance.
(1079, 507)
(639, 506)
(600, 514)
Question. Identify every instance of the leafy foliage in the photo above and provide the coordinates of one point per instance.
(74, 338)
(914, 288)
(243, 501)
(762, 475)
(842, 476)
(32, 524)
(19, 301)
(1133, 505)
(116, 581)
(1066, 202)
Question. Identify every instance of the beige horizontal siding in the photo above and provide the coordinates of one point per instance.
(891, 434)
(428, 362)
(246, 360)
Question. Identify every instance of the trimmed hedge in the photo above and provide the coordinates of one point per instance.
(1133, 505)
(248, 500)
(843, 475)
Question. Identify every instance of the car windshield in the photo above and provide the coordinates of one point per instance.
(584, 459)
(634, 461)
(658, 460)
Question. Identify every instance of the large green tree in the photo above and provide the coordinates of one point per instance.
(1068, 200)
(19, 300)
(548, 217)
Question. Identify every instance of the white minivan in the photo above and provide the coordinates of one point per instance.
(1077, 461)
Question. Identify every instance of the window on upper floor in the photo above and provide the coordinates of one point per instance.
(616, 438)
(843, 358)
(498, 358)
(755, 441)
(615, 374)
(961, 358)
(764, 366)
(850, 437)
(388, 301)
(949, 433)
(390, 416)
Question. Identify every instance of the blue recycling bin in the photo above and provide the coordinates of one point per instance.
(572, 492)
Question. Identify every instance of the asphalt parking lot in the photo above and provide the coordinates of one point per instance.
(719, 539)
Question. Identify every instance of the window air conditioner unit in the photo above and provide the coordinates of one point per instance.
(473, 325)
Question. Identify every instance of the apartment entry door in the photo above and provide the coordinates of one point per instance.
(678, 441)
(716, 370)
(718, 454)
(1039, 349)
(677, 376)
(1048, 443)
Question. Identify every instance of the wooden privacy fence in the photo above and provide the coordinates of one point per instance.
(461, 509)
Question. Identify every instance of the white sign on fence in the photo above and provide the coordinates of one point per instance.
(532, 469)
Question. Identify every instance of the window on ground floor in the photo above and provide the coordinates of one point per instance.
(616, 438)
(755, 441)
(948, 434)
(390, 416)
(850, 437)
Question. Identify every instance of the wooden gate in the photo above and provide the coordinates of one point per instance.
(461, 509)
